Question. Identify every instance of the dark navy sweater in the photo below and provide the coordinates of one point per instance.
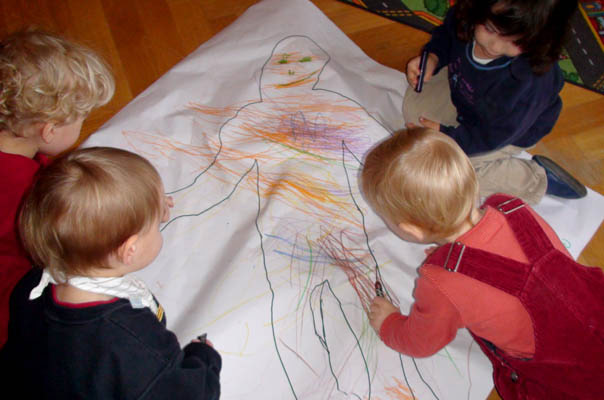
(104, 351)
(498, 104)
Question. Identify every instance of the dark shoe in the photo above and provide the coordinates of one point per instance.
(559, 182)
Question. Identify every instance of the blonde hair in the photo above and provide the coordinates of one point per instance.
(86, 204)
(423, 177)
(44, 78)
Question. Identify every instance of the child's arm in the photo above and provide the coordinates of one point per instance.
(432, 323)
(148, 362)
(193, 375)
(438, 49)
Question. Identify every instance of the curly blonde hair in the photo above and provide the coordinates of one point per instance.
(423, 177)
(45, 78)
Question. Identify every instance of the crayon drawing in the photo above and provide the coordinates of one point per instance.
(259, 136)
(298, 273)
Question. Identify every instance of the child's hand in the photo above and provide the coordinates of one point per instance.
(425, 122)
(413, 69)
(379, 309)
(206, 341)
(428, 123)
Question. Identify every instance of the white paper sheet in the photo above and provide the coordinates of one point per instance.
(258, 136)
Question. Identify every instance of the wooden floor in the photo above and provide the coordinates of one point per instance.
(142, 39)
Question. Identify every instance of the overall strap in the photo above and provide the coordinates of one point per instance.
(498, 271)
(530, 235)
(495, 270)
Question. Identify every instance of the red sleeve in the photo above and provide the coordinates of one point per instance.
(431, 325)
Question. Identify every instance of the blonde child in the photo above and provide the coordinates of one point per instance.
(81, 326)
(500, 271)
(48, 86)
(492, 83)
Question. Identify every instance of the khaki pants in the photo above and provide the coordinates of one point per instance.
(498, 171)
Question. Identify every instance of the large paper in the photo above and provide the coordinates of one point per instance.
(271, 249)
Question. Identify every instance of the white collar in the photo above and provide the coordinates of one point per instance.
(125, 287)
(481, 61)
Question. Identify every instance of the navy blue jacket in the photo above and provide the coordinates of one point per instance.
(104, 351)
(500, 103)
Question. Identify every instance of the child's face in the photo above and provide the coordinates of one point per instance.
(491, 44)
(63, 138)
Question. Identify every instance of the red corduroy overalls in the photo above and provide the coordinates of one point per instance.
(564, 299)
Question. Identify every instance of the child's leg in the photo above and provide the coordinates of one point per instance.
(433, 102)
(500, 172)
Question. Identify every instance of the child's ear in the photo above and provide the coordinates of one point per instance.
(47, 132)
(127, 250)
(415, 232)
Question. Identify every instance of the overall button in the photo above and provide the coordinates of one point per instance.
(514, 376)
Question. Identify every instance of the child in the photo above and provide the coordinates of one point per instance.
(83, 327)
(502, 92)
(47, 88)
(502, 273)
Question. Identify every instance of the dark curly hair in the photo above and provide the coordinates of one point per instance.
(541, 25)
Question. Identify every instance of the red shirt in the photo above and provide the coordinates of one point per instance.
(17, 176)
(446, 302)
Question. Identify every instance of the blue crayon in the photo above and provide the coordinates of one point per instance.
(422, 71)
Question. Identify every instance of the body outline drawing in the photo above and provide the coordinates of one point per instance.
(255, 169)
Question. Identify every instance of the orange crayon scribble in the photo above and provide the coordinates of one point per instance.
(165, 147)
(298, 82)
(293, 187)
(295, 124)
(217, 114)
(335, 108)
(313, 202)
(399, 391)
(300, 191)
(286, 130)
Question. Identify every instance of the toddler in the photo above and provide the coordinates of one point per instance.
(81, 326)
(492, 83)
(500, 271)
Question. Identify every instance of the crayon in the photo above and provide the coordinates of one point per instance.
(422, 71)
